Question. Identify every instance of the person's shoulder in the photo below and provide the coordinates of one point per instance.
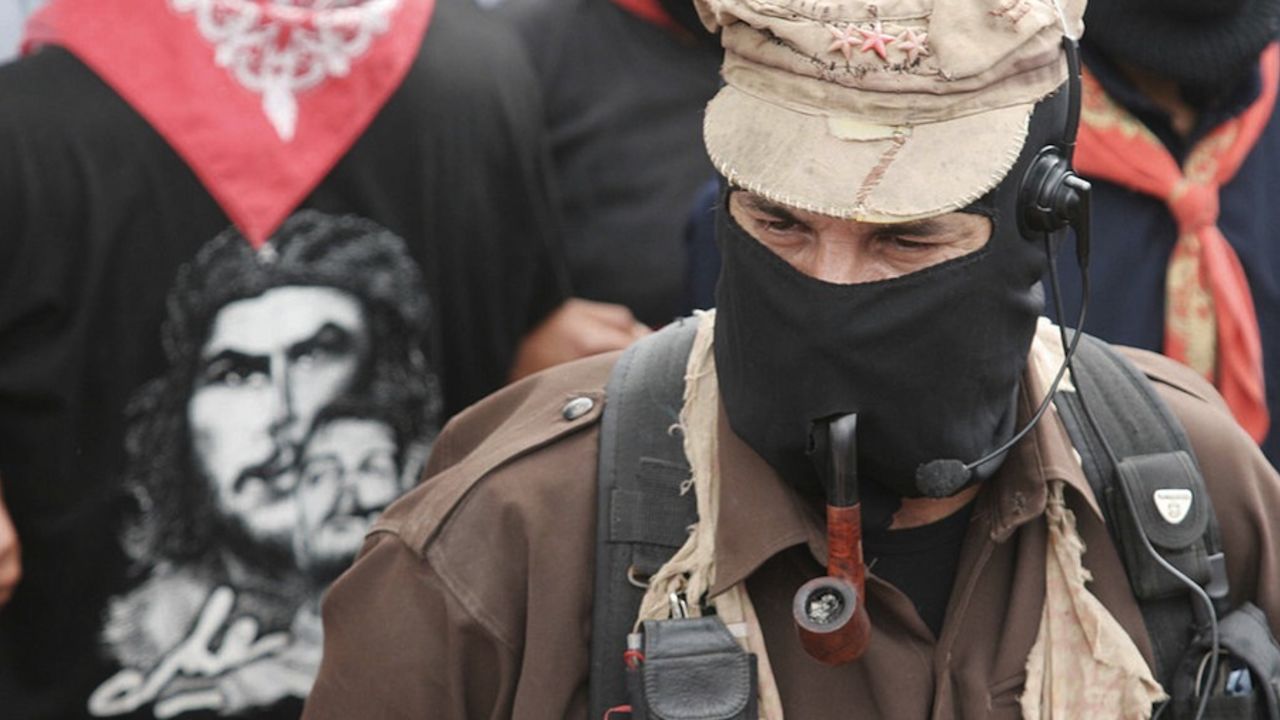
(1212, 430)
(548, 29)
(472, 44)
(58, 117)
(1172, 377)
(509, 500)
(52, 85)
(538, 20)
(1229, 459)
(1195, 402)
(474, 72)
(507, 452)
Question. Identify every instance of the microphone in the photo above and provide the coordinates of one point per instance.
(944, 477)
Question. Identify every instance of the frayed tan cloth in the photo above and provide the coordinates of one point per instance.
(691, 571)
(1083, 664)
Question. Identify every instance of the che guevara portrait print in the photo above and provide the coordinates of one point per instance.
(297, 403)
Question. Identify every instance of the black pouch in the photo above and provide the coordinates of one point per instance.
(691, 669)
(1247, 683)
(1162, 496)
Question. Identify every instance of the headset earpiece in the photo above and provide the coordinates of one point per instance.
(1052, 196)
(1048, 203)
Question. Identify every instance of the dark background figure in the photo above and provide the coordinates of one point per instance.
(701, 254)
(99, 213)
(625, 83)
(1181, 70)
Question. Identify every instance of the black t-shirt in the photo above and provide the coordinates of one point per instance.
(921, 562)
(624, 103)
(194, 435)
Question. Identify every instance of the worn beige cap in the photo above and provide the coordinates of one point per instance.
(880, 111)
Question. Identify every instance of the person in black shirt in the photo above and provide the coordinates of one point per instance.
(165, 361)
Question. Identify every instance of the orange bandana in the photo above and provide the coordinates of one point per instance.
(260, 98)
(1210, 322)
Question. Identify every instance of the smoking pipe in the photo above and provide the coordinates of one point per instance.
(830, 612)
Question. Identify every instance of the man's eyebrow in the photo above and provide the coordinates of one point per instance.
(768, 207)
(921, 227)
(924, 226)
(329, 336)
(235, 358)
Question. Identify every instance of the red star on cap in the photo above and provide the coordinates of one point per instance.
(913, 44)
(845, 40)
(875, 39)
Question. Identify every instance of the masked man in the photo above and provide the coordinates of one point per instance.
(878, 262)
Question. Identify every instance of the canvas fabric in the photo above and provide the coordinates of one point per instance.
(880, 112)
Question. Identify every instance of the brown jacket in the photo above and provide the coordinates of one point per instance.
(472, 596)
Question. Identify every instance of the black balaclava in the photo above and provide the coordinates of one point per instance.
(931, 361)
(1205, 46)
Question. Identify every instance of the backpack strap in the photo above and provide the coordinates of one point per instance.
(1154, 489)
(642, 517)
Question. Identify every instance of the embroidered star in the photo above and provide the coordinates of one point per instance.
(913, 44)
(845, 40)
(875, 39)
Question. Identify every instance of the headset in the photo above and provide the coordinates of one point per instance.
(1052, 197)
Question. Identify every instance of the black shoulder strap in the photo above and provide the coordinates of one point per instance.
(643, 517)
(1143, 493)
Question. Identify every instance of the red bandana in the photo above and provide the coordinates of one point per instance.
(651, 11)
(1210, 322)
(261, 98)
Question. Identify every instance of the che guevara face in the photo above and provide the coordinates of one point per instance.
(348, 474)
(268, 365)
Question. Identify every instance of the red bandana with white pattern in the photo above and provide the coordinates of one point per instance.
(261, 98)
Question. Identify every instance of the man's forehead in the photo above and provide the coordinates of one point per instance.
(352, 432)
(281, 317)
(920, 226)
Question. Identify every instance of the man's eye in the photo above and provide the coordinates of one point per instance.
(907, 245)
(233, 374)
(780, 225)
(233, 378)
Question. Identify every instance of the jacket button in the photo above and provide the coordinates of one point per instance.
(577, 407)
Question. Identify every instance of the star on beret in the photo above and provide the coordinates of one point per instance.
(913, 44)
(845, 39)
(875, 39)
